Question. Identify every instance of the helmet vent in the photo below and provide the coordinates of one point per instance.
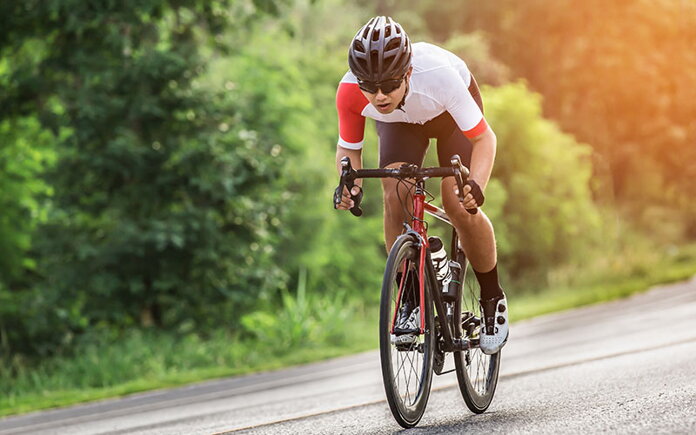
(392, 44)
(388, 61)
(374, 57)
(358, 46)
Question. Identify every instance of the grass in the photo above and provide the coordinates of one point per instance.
(610, 278)
(108, 371)
(147, 360)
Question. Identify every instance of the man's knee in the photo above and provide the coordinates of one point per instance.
(459, 215)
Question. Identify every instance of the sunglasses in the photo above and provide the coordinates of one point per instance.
(387, 86)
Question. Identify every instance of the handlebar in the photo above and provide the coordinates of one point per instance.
(349, 175)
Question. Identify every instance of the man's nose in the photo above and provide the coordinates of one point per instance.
(380, 95)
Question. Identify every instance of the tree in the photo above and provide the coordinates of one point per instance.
(620, 76)
(159, 189)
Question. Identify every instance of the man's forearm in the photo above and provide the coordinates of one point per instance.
(482, 158)
(355, 159)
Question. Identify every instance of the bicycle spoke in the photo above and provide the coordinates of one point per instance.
(408, 376)
(478, 372)
(415, 373)
(405, 368)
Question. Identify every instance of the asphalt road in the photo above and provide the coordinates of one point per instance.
(624, 367)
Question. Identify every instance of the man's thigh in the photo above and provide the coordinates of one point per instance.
(457, 143)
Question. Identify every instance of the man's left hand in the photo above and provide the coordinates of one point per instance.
(473, 196)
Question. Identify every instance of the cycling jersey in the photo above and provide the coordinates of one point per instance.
(439, 83)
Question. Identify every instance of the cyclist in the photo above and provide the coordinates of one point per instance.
(414, 93)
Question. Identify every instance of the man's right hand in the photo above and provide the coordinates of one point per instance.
(346, 202)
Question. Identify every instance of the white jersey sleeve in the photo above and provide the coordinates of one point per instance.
(461, 105)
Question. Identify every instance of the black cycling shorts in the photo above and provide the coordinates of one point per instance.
(404, 142)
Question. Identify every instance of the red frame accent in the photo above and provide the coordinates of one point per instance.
(398, 298)
(418, 212)
(430, 207)
(419, 209)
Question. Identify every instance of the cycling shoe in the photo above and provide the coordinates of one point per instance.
(494, 330)
(408, 321)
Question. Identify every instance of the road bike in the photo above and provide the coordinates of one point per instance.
(449, 315)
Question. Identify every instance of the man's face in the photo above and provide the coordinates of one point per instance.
(387, 103)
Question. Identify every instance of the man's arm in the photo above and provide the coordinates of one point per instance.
(482, 157)
(466, 112)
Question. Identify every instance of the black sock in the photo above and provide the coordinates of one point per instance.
(490, 287)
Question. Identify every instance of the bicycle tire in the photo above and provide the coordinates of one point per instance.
(477, 373)
(406, 404)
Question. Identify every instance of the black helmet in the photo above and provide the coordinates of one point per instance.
(380, 51)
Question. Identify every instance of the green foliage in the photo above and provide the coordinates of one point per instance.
(619, 76)
(475, 48)
(160, 190)
(547, 216)
(187, 187)
(302, 320)
(297, 72)
(24, 155)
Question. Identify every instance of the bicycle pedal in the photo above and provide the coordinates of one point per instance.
(405, 339)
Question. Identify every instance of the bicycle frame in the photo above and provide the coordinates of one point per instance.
(418, 230)
(420, 207)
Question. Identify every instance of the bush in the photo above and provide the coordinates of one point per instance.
(546, 215)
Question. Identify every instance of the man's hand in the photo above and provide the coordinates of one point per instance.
(473, 196)
(346, 202)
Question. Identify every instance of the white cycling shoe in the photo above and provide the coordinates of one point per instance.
(495, 331)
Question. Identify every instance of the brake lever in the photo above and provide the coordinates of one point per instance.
(461, 173)
(348, 181)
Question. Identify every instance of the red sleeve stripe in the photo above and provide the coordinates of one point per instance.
(479, 129)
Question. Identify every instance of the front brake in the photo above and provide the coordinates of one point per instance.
(348, 181)
(460, 174)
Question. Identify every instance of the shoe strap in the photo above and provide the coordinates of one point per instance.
(489, 308)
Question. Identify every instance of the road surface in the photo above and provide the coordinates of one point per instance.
(627, 366)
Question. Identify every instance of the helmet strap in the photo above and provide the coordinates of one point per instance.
(403, 100)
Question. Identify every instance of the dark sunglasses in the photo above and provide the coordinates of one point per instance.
(387, 86)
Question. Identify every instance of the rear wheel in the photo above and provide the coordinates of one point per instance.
(407, 359)
(477, 373)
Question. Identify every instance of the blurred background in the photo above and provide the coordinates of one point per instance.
(167, 170)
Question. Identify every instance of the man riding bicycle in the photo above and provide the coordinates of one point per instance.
(414, 93)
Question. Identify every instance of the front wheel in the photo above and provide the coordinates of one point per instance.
(477, 373)
(407, 359)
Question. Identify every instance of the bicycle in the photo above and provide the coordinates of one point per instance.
(409, 358)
